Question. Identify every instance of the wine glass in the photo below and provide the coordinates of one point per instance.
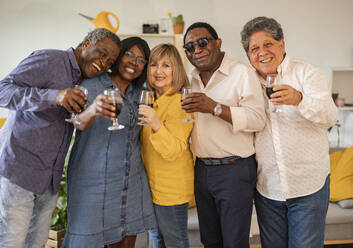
(184, 93)
(271, 80)
(146, 98)
(117, 102)
(74, 115)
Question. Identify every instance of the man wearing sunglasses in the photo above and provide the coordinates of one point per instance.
(228, 106)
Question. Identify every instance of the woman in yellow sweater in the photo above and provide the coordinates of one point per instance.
(165, 147)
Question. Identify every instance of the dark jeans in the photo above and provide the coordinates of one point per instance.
(224, 198)
(295, 223)
(173, 227)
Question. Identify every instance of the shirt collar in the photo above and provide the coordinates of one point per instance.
(282, 68)
(163, 99)
(106, 81)
(76, 72)
(223, 68)
(132, 88)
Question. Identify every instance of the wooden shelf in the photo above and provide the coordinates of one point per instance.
(150, 35)
(342, 68)
(345, 108)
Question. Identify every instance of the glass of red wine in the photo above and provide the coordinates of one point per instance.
(74, 116)
(146, 98)
(117, 102)
(271, 80)
(184, 93)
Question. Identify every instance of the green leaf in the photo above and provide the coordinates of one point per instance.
(54, 219)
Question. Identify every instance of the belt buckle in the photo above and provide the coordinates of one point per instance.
(232, 161)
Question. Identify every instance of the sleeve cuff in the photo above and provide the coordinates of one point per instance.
(159, 135)
(302, 106)
(239, 119)
(52, 98)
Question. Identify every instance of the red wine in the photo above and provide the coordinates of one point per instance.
(77, 112)
(269, 91)
(118, 107)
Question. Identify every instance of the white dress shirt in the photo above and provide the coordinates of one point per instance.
(236, 85)
(292, 149)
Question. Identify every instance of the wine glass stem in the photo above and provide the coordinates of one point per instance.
(75, 119)
(115, 122)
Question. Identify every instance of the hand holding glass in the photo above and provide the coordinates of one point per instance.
(146, 98)
(184, 93)
(74, 115)
(117, 102)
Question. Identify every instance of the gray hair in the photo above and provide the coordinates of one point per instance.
(99, 34)
(261, 23)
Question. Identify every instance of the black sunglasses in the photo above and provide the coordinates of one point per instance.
(202, 43)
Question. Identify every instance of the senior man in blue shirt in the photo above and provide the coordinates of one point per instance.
(35, 138)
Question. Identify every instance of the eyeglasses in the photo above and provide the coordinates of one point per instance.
(202, 43)
(132, 56)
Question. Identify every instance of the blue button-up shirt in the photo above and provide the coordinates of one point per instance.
(35, 138)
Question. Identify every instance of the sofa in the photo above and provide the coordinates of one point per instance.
(339, 226)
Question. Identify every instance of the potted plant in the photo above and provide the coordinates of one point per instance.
(178, 23)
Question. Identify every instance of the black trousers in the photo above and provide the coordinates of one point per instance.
(224, 197)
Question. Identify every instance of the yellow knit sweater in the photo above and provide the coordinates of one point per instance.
(166, 154)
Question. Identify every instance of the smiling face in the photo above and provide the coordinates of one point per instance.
(160, 74)
(207, 58)
(130, 66)
(265, 53)
(97, 58)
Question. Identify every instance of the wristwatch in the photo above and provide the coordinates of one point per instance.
(217, 111)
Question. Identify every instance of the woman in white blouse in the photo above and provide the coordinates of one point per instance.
(292, 150)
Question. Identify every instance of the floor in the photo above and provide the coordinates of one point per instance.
(326, 246)
(339, 246)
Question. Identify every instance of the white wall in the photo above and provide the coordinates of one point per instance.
(319, 31)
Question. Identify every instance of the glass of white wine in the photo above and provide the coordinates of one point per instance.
(184, 93)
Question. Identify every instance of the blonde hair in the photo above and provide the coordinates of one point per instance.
(180, 79)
